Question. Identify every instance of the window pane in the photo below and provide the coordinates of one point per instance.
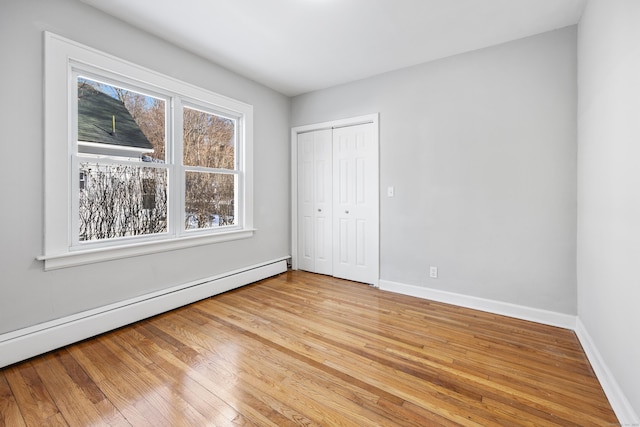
(209, 200)
(209, 140)
(120, 123)
(121, 201)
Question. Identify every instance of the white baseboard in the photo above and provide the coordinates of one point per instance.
(552, 318)
(620, 404)
(28, 342)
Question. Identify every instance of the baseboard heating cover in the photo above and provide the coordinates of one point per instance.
(22, 344)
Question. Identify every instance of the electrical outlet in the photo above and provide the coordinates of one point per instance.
(433, 272)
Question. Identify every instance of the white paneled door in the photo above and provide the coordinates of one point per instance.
(355, 203)
(338, 202)
(315, 212)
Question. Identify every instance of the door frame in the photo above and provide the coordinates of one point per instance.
(352, 121)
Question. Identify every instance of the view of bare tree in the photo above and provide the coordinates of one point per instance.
(128, 200)
(149, 114)
(115, 201)
(209, 142)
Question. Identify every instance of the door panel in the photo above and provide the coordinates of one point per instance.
(356, 203)
(315, 202)
(305, 202)
(307, 244)
(361, 243)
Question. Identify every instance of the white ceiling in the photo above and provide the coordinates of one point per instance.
(297, 46)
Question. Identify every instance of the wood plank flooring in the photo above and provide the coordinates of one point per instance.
(308, 350)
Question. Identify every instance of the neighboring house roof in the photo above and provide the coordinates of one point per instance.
(96, 111)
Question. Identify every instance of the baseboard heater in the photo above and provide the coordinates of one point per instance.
(22, 344)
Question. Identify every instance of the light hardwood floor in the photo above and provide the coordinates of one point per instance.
(303, 349)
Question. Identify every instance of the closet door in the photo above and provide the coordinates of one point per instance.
(355, 203)
(315, 202)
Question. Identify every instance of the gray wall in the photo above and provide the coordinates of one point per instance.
(481, 150)
(28, 295)
(480, 147)
(609, 186)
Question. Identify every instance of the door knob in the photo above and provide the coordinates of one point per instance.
(319, 210)
(346, 212)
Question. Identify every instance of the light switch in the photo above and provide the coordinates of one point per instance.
(390, 191)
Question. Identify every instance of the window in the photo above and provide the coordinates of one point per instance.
(120, 155)
(210, 166)
(137, 162)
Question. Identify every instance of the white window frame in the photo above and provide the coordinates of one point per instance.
(63, 59)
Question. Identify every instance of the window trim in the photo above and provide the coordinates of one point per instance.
(60, 56)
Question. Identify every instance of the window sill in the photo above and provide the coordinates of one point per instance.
(82, 257)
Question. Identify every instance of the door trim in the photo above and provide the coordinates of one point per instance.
(352, 121)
